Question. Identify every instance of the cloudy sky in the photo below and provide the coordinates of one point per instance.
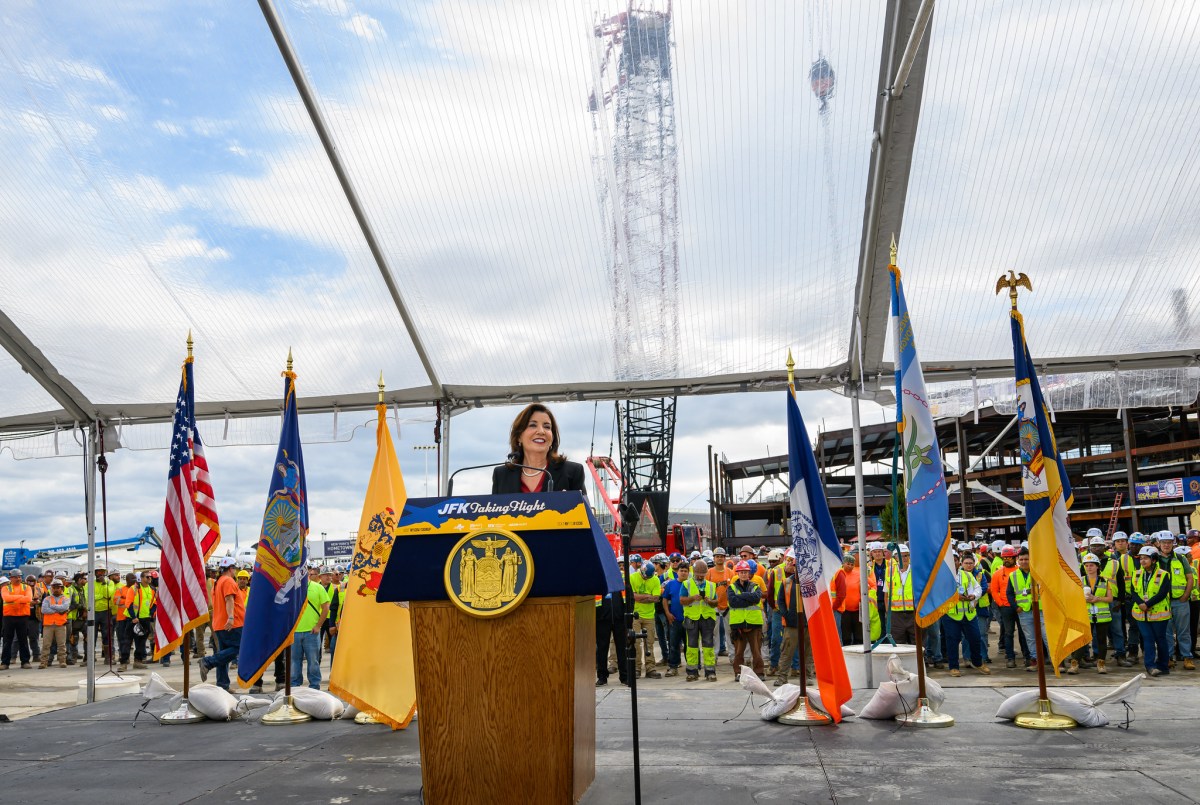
(161, 174)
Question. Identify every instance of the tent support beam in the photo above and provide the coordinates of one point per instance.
(318, 120)
(36, 365)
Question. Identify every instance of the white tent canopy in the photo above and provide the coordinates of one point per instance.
(164, 174)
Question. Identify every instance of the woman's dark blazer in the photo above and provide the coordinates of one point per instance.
(567, 477)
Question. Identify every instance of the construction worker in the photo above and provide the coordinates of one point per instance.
(672, 594)
(1195, 600)
(102, 591)
(847, 585)
(329, 631)
(1152, 609)
(662, 568)
(1119, 571)
(77, 619)
(746, 619)
(18, 598)
(877, 575)
(773, 578)
(1098, 593)
(122, 599)
(960, 621)
(898, 593)
(55, 609)
(721, 574)
(1177, 562)
(699, 602)
(229, 609)
(1020, 593)
(647, 591)
(610, 630)
(141, 608)
(983, 607)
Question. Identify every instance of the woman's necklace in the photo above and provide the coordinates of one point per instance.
(530, 474)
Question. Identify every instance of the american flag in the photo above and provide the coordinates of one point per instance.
(182, 593)
(203, 500)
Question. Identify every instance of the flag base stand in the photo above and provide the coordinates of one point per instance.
(366, 718)
(1044, 719)
(804, 715)
(925, 716)
(184, 714)
(287, 714)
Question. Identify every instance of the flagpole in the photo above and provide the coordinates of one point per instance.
(923, 715)
(803, 714)
(1045, 718)
(287, 712)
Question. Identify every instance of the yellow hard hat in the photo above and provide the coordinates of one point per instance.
(243, 574)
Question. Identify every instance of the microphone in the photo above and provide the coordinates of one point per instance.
(510, 460)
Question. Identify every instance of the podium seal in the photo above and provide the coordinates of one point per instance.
(489, 574)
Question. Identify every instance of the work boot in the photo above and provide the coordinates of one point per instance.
(1100, 669)
(204, 669)
(1010, 664)
(652, 674)
(137, 664)
(692, 676)
(258, 688)
(773, 670)
(983, 669)
(26, 665)
(779, 681)
(44, 665)
(1031, 668)
(1189, 664)
(710, 676)
(1073, 667)
(122, 668)
(672, 672)
(62, 663)
(955, 672)
(722, 653)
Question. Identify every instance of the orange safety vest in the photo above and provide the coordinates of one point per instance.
(55, 618)
(18, 598)
(853, 601)
(121, 600)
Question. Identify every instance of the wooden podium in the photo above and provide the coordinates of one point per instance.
(506, 707)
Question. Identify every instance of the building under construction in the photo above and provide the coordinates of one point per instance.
(1141, 464)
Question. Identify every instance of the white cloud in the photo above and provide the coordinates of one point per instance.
(110, 112)
(87, 72)
(168, 128)
(365, 27)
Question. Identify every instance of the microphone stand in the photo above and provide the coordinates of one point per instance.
(629, 519)
(544, 470)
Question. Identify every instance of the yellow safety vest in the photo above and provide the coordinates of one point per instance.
(904, 601)
(739, 615)
(698, 610)
(1160, 611)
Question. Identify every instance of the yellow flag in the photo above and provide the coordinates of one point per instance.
(373, 664)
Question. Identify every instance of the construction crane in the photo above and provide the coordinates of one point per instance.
(633, 113)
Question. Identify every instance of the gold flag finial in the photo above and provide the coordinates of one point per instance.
(381, 387)
(1012, 282)
(289, 363)
(791, 366)
(189, 343)
(893, 249)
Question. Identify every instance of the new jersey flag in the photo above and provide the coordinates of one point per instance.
(935, 582)
(376, 675)
(279, 584)
(1052, 557)
(818, 558)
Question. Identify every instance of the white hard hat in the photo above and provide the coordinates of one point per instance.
(775, 554)
(790, 553)
(1096, 541)
(1094, 532)
(1148, 550)
(1091, 557)
(1024, 543)
(903, 547)
(1120, 535)
(1183, 550)
(875, 546)
(1167, 534)
(3, 579)
(962, 546)
(694, 555)
(227, 561)
(998, 545)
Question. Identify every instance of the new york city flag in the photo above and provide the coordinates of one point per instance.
(1052, 558)
(934, 580)
(818, 558)
(279, 584)
(376, 675)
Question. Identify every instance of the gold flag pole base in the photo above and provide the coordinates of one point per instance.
(288, 714)
(804, 715)
(1044, 719)
(184, 714)
(366, 718)
(925, 716)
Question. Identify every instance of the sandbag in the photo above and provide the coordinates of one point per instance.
(898, 695)
(349, 713)
(157, 688)
(783, 698)
(213, 702)
(317, 703)
(1069, 702)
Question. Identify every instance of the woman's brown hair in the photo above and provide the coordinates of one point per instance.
(522, 421)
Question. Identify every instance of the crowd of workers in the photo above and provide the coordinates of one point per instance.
(1141, 594)
(45, 621)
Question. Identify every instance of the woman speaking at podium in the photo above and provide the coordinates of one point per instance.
(534, 442)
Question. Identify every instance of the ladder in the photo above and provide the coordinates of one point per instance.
(1116, 514)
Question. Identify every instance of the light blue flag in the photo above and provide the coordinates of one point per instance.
(935, 582)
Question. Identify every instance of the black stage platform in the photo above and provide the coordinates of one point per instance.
(690, 757)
